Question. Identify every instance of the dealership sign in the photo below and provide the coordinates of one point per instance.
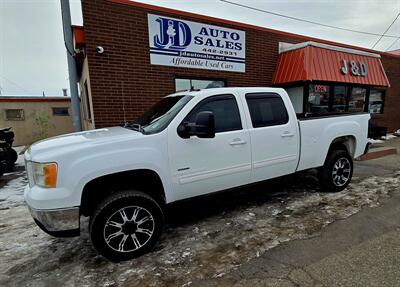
(180, 43)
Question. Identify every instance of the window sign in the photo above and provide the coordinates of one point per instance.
(180, 43)
(318, 99)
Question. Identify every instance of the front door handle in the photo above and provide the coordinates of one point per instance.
(237, 141)
(287, 134)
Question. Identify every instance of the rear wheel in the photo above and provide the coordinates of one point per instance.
(126, 225)
(337, 171)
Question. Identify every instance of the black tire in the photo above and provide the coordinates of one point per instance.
(337, 171)
(12, 156)
(108, 220)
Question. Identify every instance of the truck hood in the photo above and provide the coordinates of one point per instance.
(76, 141)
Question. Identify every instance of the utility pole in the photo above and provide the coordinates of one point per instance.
(73, 79)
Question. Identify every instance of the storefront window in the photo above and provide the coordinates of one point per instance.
(375, 105)
(357, 99)
(318, 99)
(188, 84)
(339, 99)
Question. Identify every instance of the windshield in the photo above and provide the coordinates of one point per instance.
(160, 115)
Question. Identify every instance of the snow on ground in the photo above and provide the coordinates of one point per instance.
(389, 137)
(12, 184)
(20, 160)
(384, 138)
(372, 141)
(204, 238)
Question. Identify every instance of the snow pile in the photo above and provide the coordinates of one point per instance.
(388, 137)
(12, 193)
(20, 161)
(372, 141)
(12, 184)
(397, 133)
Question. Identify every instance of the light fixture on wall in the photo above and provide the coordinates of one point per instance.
(99, 50)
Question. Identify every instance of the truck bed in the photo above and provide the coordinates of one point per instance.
(317, 133)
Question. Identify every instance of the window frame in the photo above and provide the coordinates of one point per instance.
(60, 115)
(349, 86)
(383, 100)
(198, 79)
(219, 97)
(265, 95)
(330, 98)
(366, 99)
(22, 113)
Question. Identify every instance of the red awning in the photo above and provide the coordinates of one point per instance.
(319, 62)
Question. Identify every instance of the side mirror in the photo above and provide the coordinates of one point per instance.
(203, 127)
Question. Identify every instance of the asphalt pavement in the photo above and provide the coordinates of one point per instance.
(362, 250)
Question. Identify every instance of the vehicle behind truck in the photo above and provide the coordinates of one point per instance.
(189, 144)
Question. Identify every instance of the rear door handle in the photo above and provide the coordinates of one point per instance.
(287, 135)
(237, 142)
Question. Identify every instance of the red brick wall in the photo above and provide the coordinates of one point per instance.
(123, 77)
(391, 116)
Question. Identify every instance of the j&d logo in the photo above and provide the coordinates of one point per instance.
(173, 34)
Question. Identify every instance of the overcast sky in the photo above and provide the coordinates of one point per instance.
(33, 58)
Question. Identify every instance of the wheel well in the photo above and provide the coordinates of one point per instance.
(144, 180)
(347, 143)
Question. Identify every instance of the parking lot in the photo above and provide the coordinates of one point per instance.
(224, 239)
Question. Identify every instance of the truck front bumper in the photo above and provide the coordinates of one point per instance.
(57, 222)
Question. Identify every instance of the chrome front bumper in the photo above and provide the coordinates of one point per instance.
(58, 222)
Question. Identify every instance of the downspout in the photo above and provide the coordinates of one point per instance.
(73, 78)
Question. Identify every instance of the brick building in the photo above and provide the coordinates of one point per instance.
(150, 52)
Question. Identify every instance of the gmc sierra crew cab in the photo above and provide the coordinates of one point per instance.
(189, 144)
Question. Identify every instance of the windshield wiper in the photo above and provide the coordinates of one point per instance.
(135, 127)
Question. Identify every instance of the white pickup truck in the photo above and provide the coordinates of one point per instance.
(189, 144)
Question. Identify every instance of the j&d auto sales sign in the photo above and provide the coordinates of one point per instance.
(180, 43)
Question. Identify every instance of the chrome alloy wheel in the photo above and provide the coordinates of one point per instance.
(341, 171)
(129, 229)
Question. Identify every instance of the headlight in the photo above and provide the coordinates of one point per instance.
(44, 174)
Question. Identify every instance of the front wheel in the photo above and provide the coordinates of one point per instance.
(126, 225)
(337, 171)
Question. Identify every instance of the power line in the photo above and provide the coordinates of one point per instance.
(16, 85)
(385, 31)
(305, 20)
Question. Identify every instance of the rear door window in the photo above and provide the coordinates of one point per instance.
(266, 109)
